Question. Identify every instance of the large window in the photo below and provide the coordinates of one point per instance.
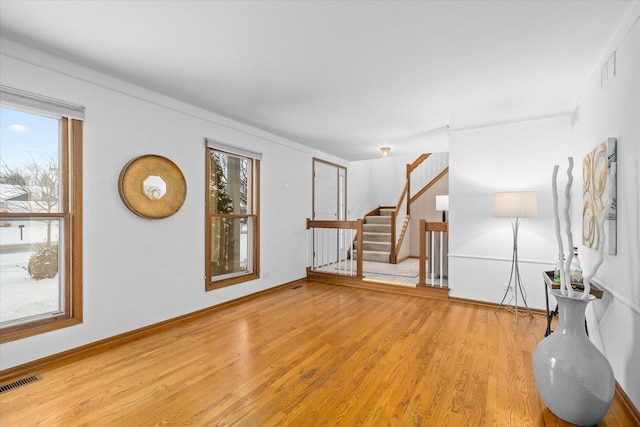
(232, 215)
(40, 215)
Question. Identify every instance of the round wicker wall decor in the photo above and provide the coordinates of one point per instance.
(152, 186)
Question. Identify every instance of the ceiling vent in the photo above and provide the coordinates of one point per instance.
(608, 70)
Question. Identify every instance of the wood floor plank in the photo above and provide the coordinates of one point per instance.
(317, 355)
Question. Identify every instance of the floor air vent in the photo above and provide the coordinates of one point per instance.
(297, 287)
(19, 383)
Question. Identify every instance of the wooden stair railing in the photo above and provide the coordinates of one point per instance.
(429, 185)
(401, 216)
(331, 248)
(431, 228)
(399, 221)
(425, 171)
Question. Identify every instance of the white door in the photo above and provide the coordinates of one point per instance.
(325, 191)
(329, 204)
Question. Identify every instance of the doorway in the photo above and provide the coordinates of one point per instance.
(329, 203)
(329, 191)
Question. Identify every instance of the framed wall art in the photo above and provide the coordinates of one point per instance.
(595, 173)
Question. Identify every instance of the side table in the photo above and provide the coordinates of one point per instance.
(550, 284)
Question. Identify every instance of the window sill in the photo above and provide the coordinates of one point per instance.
(217, 284)
(37, 327)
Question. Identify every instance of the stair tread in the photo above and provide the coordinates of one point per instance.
(376, 234)
(376, 248)
(376, 237)
(384, 220)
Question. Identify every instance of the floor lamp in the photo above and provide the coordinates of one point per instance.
(515, 205)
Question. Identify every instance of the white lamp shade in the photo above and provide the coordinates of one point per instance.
(516, 204)
(442, 203)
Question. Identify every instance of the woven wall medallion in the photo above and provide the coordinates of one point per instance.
(152, 186)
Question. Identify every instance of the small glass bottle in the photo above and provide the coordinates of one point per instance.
(575, 269)
(556, 273)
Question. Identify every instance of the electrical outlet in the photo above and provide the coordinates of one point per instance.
(507, 287)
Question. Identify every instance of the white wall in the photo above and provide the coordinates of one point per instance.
(137, 271)
(614, 112)
(514, 157)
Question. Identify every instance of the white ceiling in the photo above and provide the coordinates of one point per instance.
(346, 77)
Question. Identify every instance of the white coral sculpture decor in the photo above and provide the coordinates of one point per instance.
(565, 278)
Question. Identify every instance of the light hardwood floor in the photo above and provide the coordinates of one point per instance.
(311, 355)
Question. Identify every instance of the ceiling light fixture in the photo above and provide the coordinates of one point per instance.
(385, 151)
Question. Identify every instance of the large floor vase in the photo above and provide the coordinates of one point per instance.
(574, 379)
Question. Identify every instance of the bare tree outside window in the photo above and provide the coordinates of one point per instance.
(40, 214)
(31, 219)
(37, 185)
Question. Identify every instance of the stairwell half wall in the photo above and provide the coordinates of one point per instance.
(514, 157)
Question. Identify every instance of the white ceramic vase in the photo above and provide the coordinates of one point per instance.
(574, 378)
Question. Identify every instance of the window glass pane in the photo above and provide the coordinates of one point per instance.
(30, 268)
(29, 172)
(230, 243)
(230, 177)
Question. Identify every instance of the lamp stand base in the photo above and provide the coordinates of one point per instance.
(515, 282)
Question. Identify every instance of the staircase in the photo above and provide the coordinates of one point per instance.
(376, 236)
